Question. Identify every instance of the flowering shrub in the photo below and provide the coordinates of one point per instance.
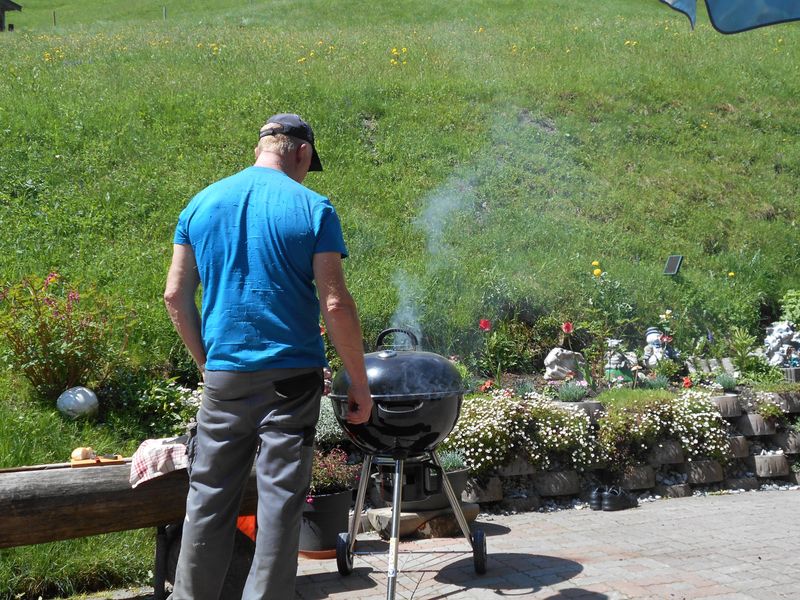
(56, 337)
(331, 473)
(507, 348)
(629, 430)
(168, 407)
(494, 429)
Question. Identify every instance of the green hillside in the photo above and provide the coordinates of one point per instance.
(481, 154)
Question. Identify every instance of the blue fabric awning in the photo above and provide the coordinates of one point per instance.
(733, 16)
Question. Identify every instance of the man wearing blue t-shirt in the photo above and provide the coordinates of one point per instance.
(258, 242)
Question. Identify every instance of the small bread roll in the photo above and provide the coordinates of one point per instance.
(82, 454)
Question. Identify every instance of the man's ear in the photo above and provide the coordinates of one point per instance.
(304, 153)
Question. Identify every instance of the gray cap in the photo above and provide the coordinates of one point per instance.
(293, 125)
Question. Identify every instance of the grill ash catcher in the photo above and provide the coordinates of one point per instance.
(417, 399)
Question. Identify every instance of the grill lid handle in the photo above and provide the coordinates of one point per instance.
(407, 332)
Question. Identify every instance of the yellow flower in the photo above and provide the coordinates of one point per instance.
(597, 272)
(595, 263)
(731, 274)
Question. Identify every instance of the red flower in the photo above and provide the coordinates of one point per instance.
(321, 330)
(567, 327)
(486, 385)
(687, 382)
(665, 338)
(485, 324)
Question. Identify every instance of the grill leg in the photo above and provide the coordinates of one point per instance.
(362, 492)
(451, 496)
(397, 498)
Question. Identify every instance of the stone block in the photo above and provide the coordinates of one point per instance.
(788, 401)
(638, 477)
(742, 483)
(517, 468)
(679, 490)
(793, 477)
(556, 483)
(792, 374)
(432, 523)
(740, 447)
(488, 491)
(769, 465)
(702, 472)
(728, 405)
(788, 441)
(666, 452)
(594, 409)
(754, 424)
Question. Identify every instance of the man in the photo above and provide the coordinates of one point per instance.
(257, 242)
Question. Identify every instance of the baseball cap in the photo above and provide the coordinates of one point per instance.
(293, 125)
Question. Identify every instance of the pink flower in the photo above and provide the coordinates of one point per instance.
(567, 327)
(485, 324)
(666, 339)
(51, 277)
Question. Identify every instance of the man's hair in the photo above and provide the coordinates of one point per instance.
(278, 143)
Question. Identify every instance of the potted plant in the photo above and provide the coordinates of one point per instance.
(327, 506)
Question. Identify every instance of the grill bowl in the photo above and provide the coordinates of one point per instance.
(417, 400)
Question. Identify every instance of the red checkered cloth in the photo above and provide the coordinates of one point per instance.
(157, 457)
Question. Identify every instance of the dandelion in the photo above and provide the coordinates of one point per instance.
(731, 274)
(595, 263)
(597, 272)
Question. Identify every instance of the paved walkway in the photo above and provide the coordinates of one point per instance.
(728, 547)
(732, 547)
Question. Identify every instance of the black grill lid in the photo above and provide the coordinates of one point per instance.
(401, 374)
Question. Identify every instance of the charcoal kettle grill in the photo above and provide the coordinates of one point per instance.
(417, 399)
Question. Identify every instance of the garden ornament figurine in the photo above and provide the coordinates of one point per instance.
(618, 363)
(658, 347)
(781, 336)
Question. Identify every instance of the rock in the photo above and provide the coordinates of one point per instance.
(432, 523)
(563, 364)
(78, 402)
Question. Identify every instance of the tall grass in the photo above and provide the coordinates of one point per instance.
(553, 136)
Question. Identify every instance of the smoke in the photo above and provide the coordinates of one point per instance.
(485, 223)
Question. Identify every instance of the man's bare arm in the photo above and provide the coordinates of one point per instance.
(341, 320)
(182, 283)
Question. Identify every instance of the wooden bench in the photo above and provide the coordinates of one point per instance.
(48, 503)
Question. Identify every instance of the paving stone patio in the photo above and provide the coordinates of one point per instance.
(726, 547)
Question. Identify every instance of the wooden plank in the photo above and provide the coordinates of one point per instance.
(58, 504)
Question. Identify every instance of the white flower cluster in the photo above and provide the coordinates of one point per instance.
(494, 430)
(697, 424)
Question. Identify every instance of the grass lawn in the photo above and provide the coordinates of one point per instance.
(481, 156)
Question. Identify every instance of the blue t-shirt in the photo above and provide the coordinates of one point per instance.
(254, 236)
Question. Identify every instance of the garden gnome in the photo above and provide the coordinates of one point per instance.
(563, 364)
(618, 364)
(654, 350)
